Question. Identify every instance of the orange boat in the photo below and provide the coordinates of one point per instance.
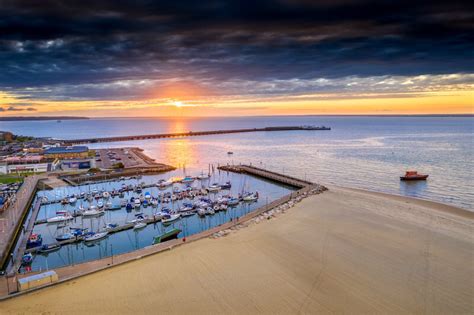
(413, 175)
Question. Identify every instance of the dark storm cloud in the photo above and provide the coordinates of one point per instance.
(71, 43)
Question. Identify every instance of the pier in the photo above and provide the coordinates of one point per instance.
(26, 232)
(266, 174)
(191, 134)
(127, 226)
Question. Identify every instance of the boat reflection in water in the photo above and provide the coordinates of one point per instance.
(180, 219)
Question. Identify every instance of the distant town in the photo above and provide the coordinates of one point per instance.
(30, 118)
(22, 156)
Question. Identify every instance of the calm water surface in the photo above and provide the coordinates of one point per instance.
(362, 152)
(129, 240)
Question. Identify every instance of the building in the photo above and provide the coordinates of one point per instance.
(72, 152)
(5, 137)
(77, 164)
(25, 164)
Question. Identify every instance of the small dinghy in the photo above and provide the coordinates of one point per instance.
(137, 203)
(227, 185)
(170, 218)
(27, 259)
(34, 240)
(95, 236)
(187, 214)
(47, 248)
(203, 176)
(139, 225)
(233, 202)
(214, 187)
(187, 179)
(166, 236)
(59, 218)
(210, 211)
(139, 217)
(64, 237)
(92, 212)
(185, 208)
(78, 231)
(159, 215)
(250, 197)
(110, 226)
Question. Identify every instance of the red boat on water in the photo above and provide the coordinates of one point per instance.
(413, 175)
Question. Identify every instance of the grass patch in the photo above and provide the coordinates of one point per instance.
(10, 179)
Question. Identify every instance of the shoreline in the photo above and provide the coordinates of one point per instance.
(328, 248)
(436, 205)
(366, 206)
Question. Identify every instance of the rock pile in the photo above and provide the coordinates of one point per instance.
(272, 213)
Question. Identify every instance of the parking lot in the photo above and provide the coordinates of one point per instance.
(107, 158)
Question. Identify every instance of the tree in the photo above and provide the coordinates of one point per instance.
(118, 165)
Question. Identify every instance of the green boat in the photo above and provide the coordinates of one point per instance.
(166, 236)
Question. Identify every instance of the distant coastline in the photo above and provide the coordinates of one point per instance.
(303, 115)
(26, 118)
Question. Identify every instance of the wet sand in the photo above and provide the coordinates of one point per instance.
(344, 251)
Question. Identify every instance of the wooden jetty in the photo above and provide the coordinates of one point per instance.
(26, 233)
(270, 175)
(124, 190)
(190, 134)
(127, 226)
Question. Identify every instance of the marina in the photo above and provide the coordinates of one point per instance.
(86, 222)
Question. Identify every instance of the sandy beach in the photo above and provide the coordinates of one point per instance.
(344, 251)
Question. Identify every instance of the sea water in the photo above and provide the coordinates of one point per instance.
(368, 152)
(130, 240)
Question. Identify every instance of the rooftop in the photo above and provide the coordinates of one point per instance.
(62, 150)
(23, 159)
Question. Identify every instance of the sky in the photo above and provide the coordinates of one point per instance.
(227, 58)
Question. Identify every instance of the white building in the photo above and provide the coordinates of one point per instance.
(28, 164)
